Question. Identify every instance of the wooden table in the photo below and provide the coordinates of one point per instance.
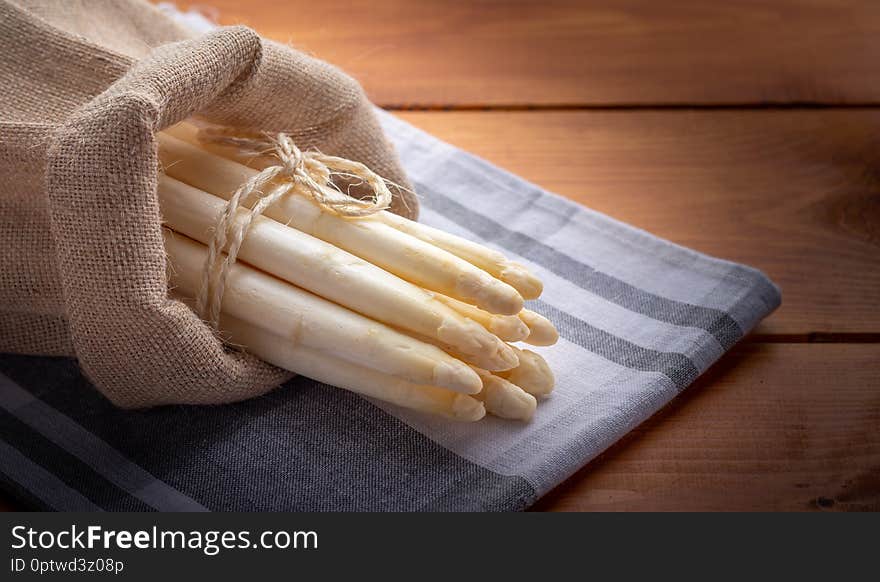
(749, 130)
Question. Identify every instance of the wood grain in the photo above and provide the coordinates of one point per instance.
(576, 52)
(794, 193)
(771, 427)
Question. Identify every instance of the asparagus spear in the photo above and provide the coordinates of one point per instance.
(318, 324)
(493, 262)
(509, 328)
(337, 275)
(423, 264)
(285, 353)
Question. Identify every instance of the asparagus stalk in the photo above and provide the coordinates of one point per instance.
(284, 352)
(542, 332)
(337, 275)
(509, 328)
(493, 262)
(315, 323)
(421, 263)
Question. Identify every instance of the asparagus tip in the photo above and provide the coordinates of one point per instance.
(509, 328)
(518, 277)
(507, 400)
(532, 375)
(489, 293)
(458, 376)
(542, 332)
(467, 409)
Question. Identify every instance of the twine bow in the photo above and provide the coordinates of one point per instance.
(307, 173)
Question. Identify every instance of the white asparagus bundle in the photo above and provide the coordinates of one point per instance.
(378, 305)
(493, 262)
(318, 324)
(334, 274)
(421, 263)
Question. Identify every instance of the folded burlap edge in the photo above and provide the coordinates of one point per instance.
(139, 347)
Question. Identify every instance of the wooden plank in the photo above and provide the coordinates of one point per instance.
(794, 193)
(771, 427)
(577, 52)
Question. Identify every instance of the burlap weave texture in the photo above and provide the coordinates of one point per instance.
(84, 87)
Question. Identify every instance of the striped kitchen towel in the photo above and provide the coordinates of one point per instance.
(640, 318)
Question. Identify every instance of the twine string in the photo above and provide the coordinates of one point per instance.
(309, 173)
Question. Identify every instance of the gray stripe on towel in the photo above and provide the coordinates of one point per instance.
(91, 450)
(303, 447)
(716, 322)
(677, 367)
(40, 483)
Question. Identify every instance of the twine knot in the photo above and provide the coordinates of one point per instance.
(291, 157)
(309, 174)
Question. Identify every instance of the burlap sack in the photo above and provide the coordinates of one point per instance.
(84, 87)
